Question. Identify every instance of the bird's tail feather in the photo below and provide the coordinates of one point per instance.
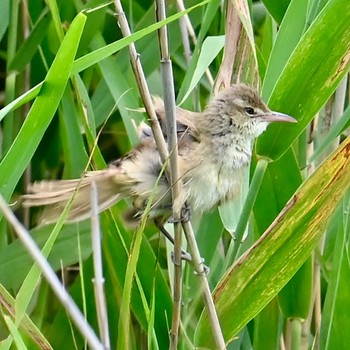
(56, 194)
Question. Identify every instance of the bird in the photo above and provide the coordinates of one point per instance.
(214, 146)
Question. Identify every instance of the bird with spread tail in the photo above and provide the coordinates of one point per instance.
(214, 146)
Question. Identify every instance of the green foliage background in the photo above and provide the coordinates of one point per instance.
(67, 86)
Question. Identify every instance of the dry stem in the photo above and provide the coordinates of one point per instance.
(176, 185)
(157, 132)
(51, 277)
(142, 84)
(100, 297)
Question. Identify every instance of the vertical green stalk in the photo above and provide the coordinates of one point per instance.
(302, 152)
(267, 327)
(295, 328)
(124, 317)
(10, 86)
(246, 210)
(11, 77)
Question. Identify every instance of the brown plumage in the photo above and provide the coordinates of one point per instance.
(213, 145)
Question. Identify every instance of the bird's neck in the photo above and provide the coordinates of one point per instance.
(230, 151)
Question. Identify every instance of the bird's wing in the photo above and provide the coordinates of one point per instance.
(185, 119)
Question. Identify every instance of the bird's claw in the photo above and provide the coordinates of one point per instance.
(185, 215)
(187, 257)
(205, 270)
(184, 256)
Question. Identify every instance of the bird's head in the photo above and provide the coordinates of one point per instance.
(240, 109)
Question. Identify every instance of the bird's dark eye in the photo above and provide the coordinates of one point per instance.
(249, 110)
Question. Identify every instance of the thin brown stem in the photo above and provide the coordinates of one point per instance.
(98, 280)
(26, 86)
(207, 296)
(176, 185)
(157, 132)
(188, 31)
(169, 102)
(141, 83)
(50, 275)
(233, 33)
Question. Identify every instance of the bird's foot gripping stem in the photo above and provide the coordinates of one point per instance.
(187, 257)
(184, 255)
(185, 215)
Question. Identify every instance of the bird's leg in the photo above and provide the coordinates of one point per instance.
(184, 255)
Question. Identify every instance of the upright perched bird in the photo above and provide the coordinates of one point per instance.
(214, 146)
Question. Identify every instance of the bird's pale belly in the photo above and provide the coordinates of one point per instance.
(210, 187)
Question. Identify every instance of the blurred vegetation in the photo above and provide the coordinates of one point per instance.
(291, 291)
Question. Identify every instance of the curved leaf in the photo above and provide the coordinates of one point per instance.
(312, 73)
(334, 329)
(106, 51)
(43, 109)
(277, 8)
(210, 49)
(283, 248)
(288, 37)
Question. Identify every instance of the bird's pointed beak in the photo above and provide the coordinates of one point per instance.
(278, 117)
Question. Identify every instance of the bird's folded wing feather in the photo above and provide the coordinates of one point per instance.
(185, 120)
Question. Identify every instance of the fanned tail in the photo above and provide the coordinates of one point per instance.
(56, 194)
